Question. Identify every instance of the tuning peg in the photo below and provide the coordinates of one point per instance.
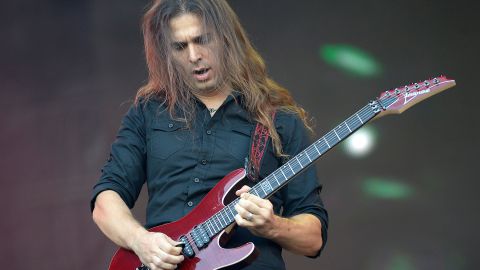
(427, 83)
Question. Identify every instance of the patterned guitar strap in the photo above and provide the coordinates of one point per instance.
(258, 144)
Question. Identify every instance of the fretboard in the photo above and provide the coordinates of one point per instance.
(297, 164)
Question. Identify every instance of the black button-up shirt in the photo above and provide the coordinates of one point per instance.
(180, 166)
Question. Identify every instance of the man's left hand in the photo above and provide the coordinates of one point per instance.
(255, 214)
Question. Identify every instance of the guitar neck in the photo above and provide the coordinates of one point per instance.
(297, 164)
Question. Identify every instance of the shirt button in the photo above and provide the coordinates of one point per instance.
(170, 125)
(204, 162)
(196, 180)
(190, 203)
(209, 132)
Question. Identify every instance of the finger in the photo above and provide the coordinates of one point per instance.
(242, 222)
(262, 203)
(159, 264)
(168, 245)
(245, 215)
(177, 246)
(244, 189)
(249, 206)
(171, 259)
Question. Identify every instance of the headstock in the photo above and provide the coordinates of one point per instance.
(398, 100)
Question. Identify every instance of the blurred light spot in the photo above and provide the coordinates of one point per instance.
(386, 189)
(360, 143)
(350, 59)
(401, 262)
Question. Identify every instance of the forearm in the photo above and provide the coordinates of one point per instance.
(115, 219)
(301, 234)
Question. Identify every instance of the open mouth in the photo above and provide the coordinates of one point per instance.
(201, 71)
(201, 74)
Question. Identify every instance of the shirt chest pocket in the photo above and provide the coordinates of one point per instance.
(166, 138)
(239, 145)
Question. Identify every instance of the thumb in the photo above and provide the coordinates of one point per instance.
(171, 241)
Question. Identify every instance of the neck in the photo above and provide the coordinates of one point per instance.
(214, 100)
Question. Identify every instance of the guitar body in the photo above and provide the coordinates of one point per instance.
(214, 256)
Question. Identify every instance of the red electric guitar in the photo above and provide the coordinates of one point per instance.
(203, 232)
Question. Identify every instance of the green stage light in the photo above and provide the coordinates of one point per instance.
(401, 262)
(386, 189)
(350, 59)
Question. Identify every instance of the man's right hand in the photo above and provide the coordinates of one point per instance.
(157, 251)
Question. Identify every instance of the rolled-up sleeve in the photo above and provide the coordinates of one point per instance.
(124, 171)
(302, 194)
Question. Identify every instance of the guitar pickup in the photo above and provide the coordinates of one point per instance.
(200, 237)
(187, 249)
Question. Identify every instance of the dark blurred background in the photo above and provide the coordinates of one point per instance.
(70, 69)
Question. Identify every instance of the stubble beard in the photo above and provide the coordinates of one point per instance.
(209, 88)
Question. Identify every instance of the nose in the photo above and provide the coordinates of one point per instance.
(194, 54)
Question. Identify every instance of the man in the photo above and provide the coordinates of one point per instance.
(191, 125)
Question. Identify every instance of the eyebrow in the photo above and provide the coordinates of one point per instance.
(197, 39)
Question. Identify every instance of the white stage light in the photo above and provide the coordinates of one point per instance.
(360, 143)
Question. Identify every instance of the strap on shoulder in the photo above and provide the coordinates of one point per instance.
(258, 144)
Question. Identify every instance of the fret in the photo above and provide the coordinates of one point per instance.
(213, 226)
(270, 185)
(337, 134)
(264, 186)
(317, 149)
(326, 142)
(263, 189)
(354, 122)
(332, 138)
(215, 223)
(224, 220)
(256, 192)
(287, 172)
(208, 227)
(228, 216)
(359, 118)
(219, 221)
(288, 163)
(299, 162)
(276, 178)
(368, 114)
(271, 182)
(283, 173)
(231, 212)
(306, 154)
(258, 189)
(346, 124)
(342, 131)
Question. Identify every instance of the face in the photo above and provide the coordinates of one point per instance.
(196, 51)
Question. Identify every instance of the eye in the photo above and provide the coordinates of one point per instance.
(179, 46)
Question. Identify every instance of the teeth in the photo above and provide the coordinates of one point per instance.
(201, 71)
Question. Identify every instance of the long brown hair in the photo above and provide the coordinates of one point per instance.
(241, 65)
